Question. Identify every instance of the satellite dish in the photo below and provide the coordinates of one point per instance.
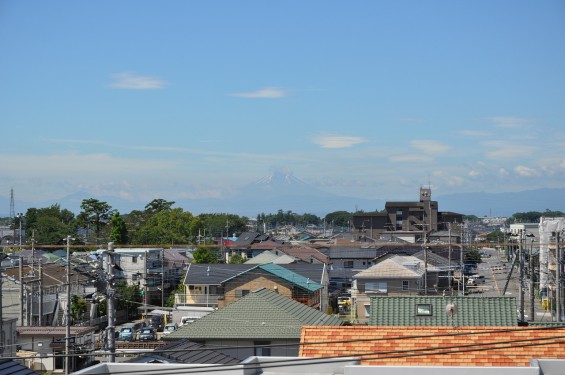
(451, 309)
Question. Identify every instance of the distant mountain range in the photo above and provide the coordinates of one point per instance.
(282, 190)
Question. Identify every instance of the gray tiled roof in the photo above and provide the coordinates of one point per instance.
(470, 311)
(185, 351)
(262, 314)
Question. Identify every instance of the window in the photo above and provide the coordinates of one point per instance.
(348, 264)
(134, 259)
(377, 287)
(405, 284)
(367, 310)
(241, 292)
(260, 350)
(424, 309)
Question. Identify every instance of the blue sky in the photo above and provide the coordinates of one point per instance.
(195, 99)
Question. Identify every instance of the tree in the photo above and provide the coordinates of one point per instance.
(204, 255)
(49, 225)
(128, 298)
(96, 213)
(78, 308)
(119, 231)
(158, 205)
(236, 259)
(339, 218)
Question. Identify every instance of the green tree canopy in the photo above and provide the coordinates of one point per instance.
(339, 218)
(119, 231)
(49, 225)
(203, 255)
(95, 214)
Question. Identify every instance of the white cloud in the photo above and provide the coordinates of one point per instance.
(505, 150)
(524, 171)
(337, 141)
(129, 81)
(503, 172)
(430, 147)
(264, 93)
(474, 173)
(508, 121)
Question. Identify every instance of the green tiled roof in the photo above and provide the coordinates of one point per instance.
(262, 314)
(470, 311)
(285, 274)
(291, 277)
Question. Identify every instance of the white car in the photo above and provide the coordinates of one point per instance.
(170, 327)
(476, 280)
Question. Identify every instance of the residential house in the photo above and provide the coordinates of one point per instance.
(432, 349)
(448, 310)
(143, 267)
(221, 284)
(396, 275)
(47, 345)
(41, 291)
(263, 322)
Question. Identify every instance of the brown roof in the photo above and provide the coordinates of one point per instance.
(54, 331)
(305, 253)
(53, 274)
(435, 346)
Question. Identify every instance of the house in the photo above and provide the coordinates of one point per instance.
(46, 345)
(43, 285)
(263, 322)
(455, 348)
(460, 311)
(395, 275)
(144, 267)
(220, 284)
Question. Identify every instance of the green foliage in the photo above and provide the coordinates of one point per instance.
(78, 308)
(221, 224)
(95, 214)
(204, 255)
(236, 259)
(49, 225)
(179, 290)
(339, 218)
(128, 298)
(282, 218)
(472, 256)
(119, 231)
(534, 216)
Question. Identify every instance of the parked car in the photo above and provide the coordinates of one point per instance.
(127, 333)
(147, 334)
(476, 280)
(170, 327)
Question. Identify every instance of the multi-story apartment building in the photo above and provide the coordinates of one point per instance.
(410, 221)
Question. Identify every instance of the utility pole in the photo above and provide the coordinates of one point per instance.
(21, 269)
(163, 277)
(558, 291)
(521, 262)
(68, 313)
(532, 296)
(145, 284)
(40, 295)
(111, 305)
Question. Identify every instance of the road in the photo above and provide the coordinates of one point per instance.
(495, 268)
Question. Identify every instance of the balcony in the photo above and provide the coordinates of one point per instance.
(197, 299)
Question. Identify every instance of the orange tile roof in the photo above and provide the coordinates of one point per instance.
(435, 346)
